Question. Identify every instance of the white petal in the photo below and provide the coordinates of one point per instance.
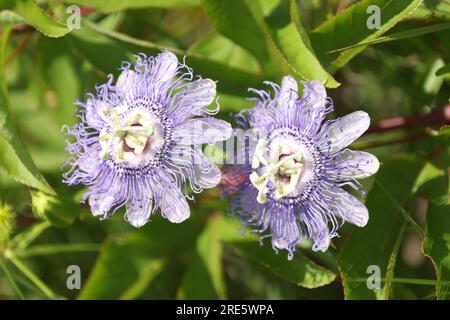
(166, 67)
(207, 174)
(348, 207)
(322, 241)
(93, 118)
(280, 243)
(197, 94)
(316, 96)
(285, 231)
(289, 90)
(196, 167)
(344, 131)
(138, 214)
(313, 106)
(174, 206)
(125, 82)
(355, 164)
(88, 161)
(202, 130)
(209, 179)
(100, 203)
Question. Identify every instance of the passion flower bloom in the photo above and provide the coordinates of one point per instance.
(138, 142)
(297, 166)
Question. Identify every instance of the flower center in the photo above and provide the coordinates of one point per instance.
(284, 169)
(127, 139)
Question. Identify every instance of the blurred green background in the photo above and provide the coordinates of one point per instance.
(399, 70)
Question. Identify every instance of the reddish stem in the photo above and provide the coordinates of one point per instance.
(19, 47)
(438, 117)
(343, 4)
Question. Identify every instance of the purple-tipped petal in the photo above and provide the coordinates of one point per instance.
(355, 164)
(207, 174)
(322, 240)
(174, 206)
(343, 131)
(315, 97)
(285, 232)
(348, 207)
(203, 131)
(100, 203)
(166, 67)
(138, 213)
(193, 100)
(288, 91)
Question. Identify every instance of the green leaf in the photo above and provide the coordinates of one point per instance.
(14, 158)
(431, 9)
(295, 47)
(429, 173)
(433, 183)
(300, 270)
(445, 131)
(126, 258)
(60, 211)
(8, 17)
(234, 19)
(444, 71)
(116, 5)
(61, 76)
(245, 24)
(48, 100)
(36, 17)
(437, 244)
(376, 243)
(98, 46)
(205, 279)
(222, 50)
(102, 52)
(349, 28)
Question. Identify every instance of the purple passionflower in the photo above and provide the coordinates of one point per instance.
(297, 166)
(138, 142)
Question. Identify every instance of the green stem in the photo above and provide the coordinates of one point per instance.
(399, 36)
(393, 261)
(404, 213)
(11, 279)
(42, 250)
(30, 275)
(143, 281)
(423, 282)
(127, 39)
(23, 239)
(138, 42)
